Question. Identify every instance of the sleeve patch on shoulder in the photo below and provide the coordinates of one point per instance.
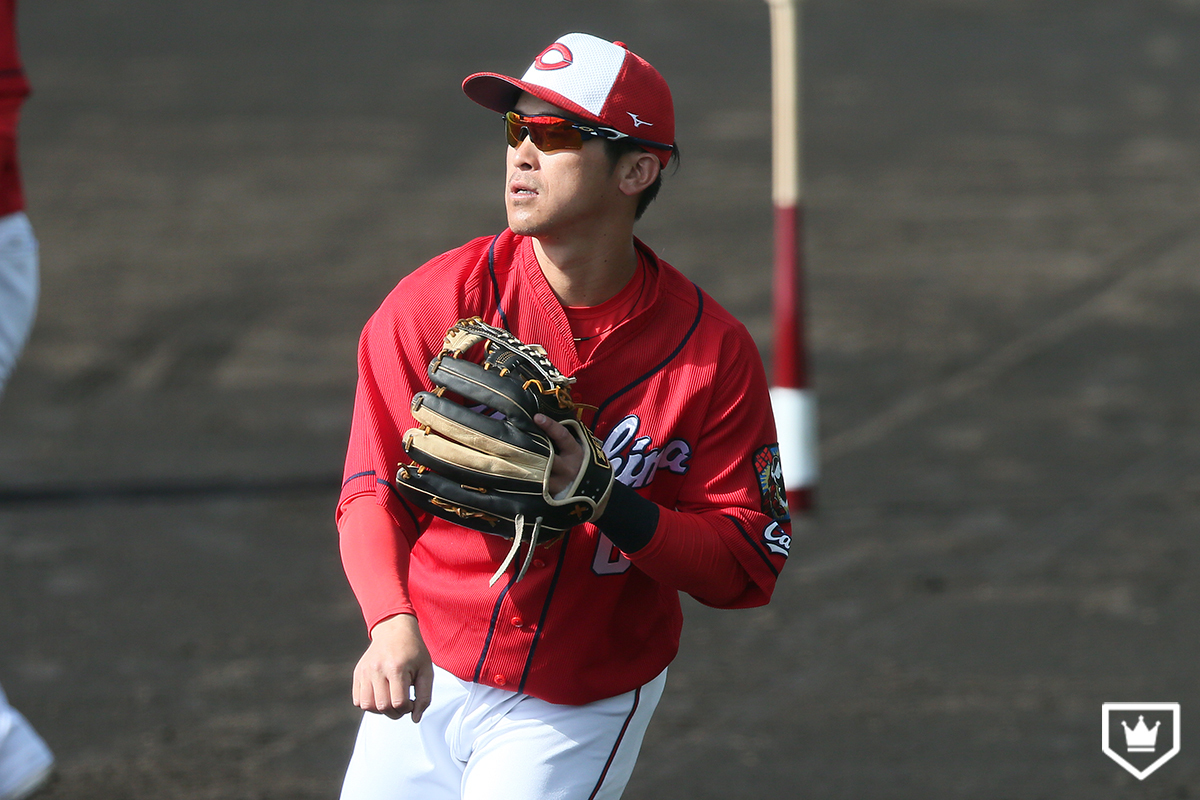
(770, 483)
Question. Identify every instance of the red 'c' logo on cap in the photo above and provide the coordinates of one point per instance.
(556, 56)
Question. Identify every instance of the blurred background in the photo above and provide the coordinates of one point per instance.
(1003, 274)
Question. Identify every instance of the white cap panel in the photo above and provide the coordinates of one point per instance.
(579, 67)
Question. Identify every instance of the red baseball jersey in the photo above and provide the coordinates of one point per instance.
(13, 90)
(680, 401)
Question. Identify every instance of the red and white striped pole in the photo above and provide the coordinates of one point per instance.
(793, 402)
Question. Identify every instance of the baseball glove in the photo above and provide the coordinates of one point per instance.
(484, 463)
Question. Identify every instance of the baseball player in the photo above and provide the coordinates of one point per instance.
(535, 676)
(18, 248)
(25, 761)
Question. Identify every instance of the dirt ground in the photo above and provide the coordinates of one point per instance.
(1004, 296)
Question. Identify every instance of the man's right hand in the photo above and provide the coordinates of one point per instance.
(395, 676)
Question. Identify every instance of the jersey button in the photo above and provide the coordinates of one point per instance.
(517, 622)
(537, 562)
(500, 680)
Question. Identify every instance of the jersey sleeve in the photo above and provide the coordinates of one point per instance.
(376, 526)
(394, 351)
(726, 539)
(390, 372)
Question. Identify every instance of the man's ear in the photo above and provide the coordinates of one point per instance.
(637, 171)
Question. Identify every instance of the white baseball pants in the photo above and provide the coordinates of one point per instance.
(25, 760)
(18, 288)
(480, 743)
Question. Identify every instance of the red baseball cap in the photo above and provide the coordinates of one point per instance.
(594, 79)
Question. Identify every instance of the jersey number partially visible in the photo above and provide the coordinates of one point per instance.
(608, 560)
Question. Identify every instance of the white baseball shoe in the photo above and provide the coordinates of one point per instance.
(26, 763)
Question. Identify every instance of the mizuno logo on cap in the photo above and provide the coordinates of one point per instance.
(637, 123)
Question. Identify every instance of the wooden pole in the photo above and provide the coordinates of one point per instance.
(792, 400)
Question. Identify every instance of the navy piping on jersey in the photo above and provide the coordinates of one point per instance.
(637, 697)
(487, 642)
(396, 493)
(357, 475)
(412, 514)
(496, 283)
(537, 635)
(392, 489)
(659, 367)
(766, 559)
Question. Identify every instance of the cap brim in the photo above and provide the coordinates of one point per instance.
(497, 92)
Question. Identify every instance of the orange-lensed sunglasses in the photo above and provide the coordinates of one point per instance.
(556, 133)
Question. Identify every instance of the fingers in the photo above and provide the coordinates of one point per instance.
(382, 693)
(564, 442)
(398, 702)
(381, 688)
(399, 687)
(423, 689)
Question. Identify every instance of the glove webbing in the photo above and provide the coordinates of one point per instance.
(467, 332)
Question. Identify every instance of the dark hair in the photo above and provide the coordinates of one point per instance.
(615, 149)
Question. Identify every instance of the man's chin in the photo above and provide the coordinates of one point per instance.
(523, 227)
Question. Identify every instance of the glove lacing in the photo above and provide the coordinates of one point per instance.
(519, 523)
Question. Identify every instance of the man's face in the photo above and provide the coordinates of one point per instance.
(560, 193)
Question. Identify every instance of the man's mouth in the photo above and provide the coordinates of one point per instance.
(518, 189)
